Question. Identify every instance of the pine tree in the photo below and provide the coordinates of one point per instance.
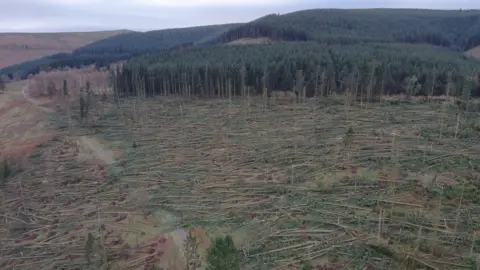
(2, 85)
(65, 88)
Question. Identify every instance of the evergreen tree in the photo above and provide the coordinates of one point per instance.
(2, 85)
(65, 88)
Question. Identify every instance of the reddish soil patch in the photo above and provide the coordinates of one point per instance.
(25, 148)
(117, 154)
(21, 126)
(151, 253)
(14, 104)
(16, 48)
(202, 238)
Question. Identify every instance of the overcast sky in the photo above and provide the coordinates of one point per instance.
(143, 15)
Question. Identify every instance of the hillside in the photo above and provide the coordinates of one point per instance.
(123, 46)
(455, 30)
(16, 48)
(136, 42)
(459, 30)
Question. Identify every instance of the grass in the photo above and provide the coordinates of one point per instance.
(317, 183)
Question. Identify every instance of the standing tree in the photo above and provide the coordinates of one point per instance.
(65, 88)
(2, 85)
(82, 105)
(51, 90)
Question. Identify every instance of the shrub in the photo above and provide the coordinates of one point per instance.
(223, 255)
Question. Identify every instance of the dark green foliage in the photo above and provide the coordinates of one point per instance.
(211, 71)
(306, 266)
(137, 42)
(459, 30)
(121, 47)
(223, 255)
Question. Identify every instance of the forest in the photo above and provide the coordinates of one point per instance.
(120, 47)
(341, 44)
(457, 30)
(307, 67)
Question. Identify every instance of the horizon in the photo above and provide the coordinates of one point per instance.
(30, 16)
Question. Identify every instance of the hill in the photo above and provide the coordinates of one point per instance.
(123, 46)
(455, 30)
(136, 42)
(16, 48)
(459, 30)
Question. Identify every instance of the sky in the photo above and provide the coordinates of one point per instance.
(144, 15)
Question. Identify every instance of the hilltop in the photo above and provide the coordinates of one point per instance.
(16, 48)
(458, 30)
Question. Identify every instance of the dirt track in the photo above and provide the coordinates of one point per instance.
(21, 125)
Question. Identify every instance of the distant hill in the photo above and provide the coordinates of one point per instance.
(137, 42)
(123, 46)
(455, 29)
(16, 48)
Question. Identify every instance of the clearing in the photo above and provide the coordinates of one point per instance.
(251, 41)
(334, 183)
(474, 52)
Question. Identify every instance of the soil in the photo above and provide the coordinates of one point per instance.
(16, 48)
(21, 125)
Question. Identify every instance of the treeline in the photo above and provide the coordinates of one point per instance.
(455, 29)
(58, 61)
(364, 69)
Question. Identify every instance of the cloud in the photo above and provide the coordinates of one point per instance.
(84, 15)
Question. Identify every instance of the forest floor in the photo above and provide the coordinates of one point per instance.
(61, 195)
(339, 185)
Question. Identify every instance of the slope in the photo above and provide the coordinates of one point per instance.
(16, 48)
(136, 42)
(122, 47)
(459, 30)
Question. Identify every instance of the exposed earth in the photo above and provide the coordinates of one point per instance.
(16, 48)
